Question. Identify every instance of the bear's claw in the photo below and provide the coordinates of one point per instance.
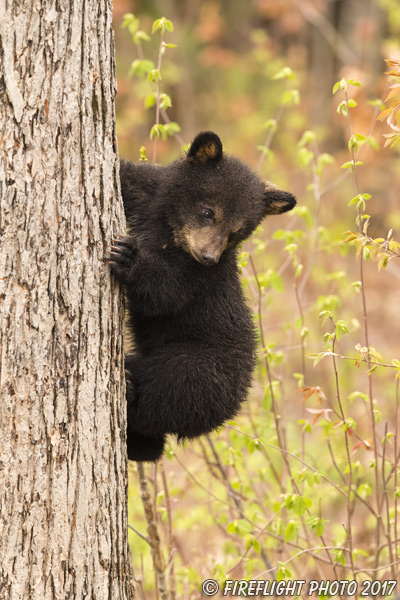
(122, 255)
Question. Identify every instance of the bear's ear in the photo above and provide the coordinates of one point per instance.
(276, 200)
(205, 147)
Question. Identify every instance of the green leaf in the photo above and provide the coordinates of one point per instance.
(141, 36)
(274, 280)
(347, 165)
(290, 97)
(383, 262)
(128, 18)
(317, 525)
(354, 395)
(325, 315)
(377, 102)
(270, 124)
(349, 423)
(170, 129)
(291, 248)
(318, 357)
(156, 131)
(372, 143)
(244, 526)
(143, 157)
(291, 531)
(359, 552)
(339, 557)
(323, 160)
(280, 234)
(156, 25)
(154, 76)
(305, 156)
(285, 73)
(354, 82)
(342, 108)
(307, 138)
(300, 505)
(131, 23)
(282, 573)
(353, 143)
(256, 545)
(150, 100)
(163, 25)
(268, 153)
(364, 490)
(141, 67)
(276, 507)
(304, 213)
(165, 101)
(304, 332)
(341, 327)
(232, 527)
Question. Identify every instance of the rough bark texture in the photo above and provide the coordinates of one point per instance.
(63, 470)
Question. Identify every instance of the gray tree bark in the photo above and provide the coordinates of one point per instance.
(63, 468)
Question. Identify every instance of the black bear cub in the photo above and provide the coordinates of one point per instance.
(194, 337)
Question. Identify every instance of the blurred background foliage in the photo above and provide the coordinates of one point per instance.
(304, 467)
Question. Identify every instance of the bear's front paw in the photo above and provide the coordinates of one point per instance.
(122, 257)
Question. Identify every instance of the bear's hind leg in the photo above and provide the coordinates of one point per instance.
(143, 448)
(186, 389)
(140, 447)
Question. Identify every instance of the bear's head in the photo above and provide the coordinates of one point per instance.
(216, 201)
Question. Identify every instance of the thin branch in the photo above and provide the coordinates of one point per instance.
(327, 30)
(349, 463)
(139, 534)
(171, 549)
(365, 320)
(152, 531)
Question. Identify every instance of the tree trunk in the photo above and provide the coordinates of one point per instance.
(63, 468)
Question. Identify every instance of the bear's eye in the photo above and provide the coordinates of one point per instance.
(208, 213)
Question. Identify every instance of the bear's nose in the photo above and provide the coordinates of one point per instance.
(210, 258)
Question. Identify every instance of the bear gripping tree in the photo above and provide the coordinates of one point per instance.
(63, 470)
(194, 336)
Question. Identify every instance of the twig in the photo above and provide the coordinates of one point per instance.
(139, 534)
(396, 462)
(385, 496)
(152, 531)
(231, 491)
(317, 197)
(271, 133)
(171, 549)
(303, 462)
(325, 27)
(349, 463)
(257, 537)
(365, 320)
(197, 482)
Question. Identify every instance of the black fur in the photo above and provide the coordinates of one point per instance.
(194, 337)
